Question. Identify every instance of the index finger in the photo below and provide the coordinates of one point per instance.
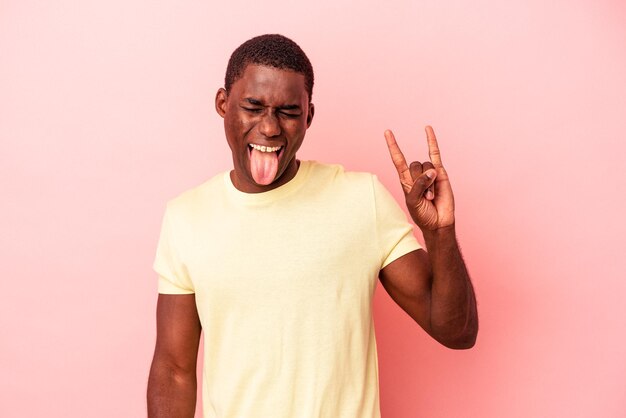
(398, 159)
(433, 147)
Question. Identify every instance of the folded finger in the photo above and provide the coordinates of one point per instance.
(415, 169)
(429, 193)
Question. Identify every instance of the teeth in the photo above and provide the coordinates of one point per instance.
(263, 148)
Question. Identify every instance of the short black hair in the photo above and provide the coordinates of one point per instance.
(274, 50)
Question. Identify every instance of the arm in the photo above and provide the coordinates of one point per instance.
(172, 381)
(434, 288)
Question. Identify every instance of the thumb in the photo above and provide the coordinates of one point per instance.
(423, 182)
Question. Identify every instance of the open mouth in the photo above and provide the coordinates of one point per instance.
(264, 162)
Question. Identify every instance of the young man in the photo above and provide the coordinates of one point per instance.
(277, 262)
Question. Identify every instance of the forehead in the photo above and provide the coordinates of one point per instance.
(270, 84)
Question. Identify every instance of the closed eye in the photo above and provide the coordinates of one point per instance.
(290, 115)
(252, 109)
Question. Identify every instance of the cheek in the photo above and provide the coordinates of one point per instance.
(236, 128)
(295, 128)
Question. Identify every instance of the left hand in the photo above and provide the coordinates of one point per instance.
(426, 185)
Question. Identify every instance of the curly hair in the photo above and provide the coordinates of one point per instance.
(275, 51)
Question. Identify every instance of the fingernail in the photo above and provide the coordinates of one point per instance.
(430, 174)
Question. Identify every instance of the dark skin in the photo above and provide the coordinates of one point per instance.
(267, 107)
(271, 107)
(434, 288)
(172, 382)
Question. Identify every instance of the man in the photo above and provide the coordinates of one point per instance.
(277, 262)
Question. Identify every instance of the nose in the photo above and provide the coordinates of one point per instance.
(269, 125)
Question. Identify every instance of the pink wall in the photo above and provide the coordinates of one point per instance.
(106, 111)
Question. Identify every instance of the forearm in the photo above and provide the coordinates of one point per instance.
(453, 314)
(171, 393)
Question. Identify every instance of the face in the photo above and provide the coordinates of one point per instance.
(265, 109)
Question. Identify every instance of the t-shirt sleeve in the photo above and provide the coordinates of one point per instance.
(395, 232)
(173, 277)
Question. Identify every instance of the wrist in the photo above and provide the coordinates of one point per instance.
(445, 234)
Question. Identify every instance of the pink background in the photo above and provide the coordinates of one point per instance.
(106, 112)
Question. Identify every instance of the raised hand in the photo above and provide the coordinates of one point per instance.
(426, 185)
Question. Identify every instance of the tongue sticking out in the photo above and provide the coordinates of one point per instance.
(264, 166)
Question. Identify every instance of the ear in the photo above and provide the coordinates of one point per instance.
(220, 102)
(309, 116)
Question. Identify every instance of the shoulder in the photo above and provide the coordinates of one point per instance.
(332, 182)
(196, 199)
(337, 174)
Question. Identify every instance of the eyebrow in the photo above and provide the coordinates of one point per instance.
(256, 102)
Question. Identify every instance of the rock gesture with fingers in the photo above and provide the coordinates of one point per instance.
(434, 287)
(426, 185)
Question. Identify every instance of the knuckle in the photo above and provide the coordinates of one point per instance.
(416, 170)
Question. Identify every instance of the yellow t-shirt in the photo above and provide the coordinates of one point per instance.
(284, 282)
